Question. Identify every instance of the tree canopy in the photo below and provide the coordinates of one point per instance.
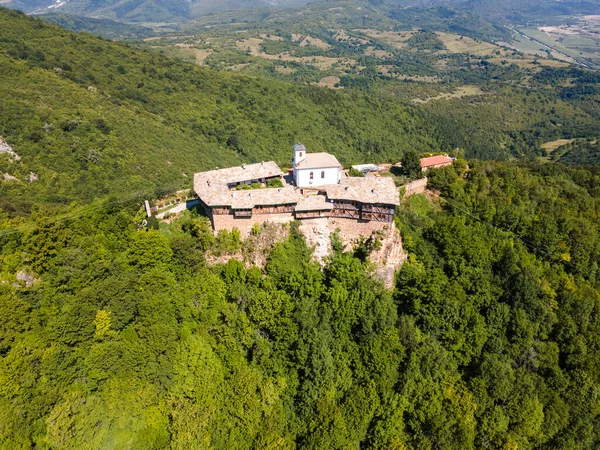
(122, 337)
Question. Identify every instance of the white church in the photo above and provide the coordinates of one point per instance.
(315, 169)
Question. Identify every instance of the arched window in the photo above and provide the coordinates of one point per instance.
(300, 154)
(322, 174)
(311, 176)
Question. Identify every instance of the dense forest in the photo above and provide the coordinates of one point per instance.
(109, 29)
(118, 336)
(579, 152)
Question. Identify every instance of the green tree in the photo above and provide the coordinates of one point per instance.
(411, 164)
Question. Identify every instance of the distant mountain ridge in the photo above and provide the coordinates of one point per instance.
(156, 11)
(140, 11)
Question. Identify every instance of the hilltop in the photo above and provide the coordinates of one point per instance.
(91, 118)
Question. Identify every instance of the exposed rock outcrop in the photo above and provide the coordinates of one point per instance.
(5, 148)
(389, 257)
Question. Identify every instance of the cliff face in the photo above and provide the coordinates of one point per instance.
(389, 257)
(386, 258)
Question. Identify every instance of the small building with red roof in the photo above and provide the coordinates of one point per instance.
(435, 162)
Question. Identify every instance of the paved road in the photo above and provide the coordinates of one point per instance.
(526, 36)
(178, 208)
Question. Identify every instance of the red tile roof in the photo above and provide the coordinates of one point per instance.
(435, 160)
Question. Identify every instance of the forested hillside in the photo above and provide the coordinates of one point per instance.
(118, 337)
(158, 11)
(91, 118)
(153, 11)
(515, 11)
(109, 29)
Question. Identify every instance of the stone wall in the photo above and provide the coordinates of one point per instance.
(351, 229)
(415, 187)
(245, 224)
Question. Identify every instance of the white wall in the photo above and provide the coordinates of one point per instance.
(299, 155)
(302, 177)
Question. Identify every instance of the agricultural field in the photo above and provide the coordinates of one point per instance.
(577, 38)
(394, 39)
(455, 43)
(551, 150)
(350, 54)
(462, 91)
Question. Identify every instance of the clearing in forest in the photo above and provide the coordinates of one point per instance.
(553, 145)
(463, 91)
(320, 62)
(252, 44)
(200, 54)
(382, 54)
(395, 39)
(314, 42)
(329, 82)
(285, 70)
(342, 36)
(463, 44)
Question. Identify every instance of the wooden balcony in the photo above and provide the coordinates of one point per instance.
(242, 213)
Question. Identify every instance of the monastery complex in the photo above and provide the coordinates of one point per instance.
(316, 188)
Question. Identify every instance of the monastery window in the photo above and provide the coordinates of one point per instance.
(322, 174)
(311, 175)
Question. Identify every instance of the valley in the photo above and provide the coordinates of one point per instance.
(576, 40)
(352, 51)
